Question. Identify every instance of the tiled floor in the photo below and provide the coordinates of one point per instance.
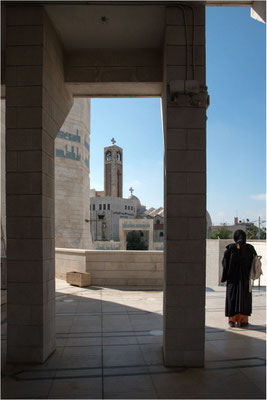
(109, 345)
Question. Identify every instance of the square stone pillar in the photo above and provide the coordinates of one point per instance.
(36, 105)
(184, 112)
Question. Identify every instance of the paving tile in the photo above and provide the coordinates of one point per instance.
(119, 340)
(128, 383)
(89, 306)
(257, 375)
(76, 388)
(78, 372)
(122, 356)
(146, 337)
(64, 320)
(128, 370)
(134, 394)
(147, 321)
(73, 357)
(63, 329)
(53, 360)
(61, 342)
(132, 356)
(152, 353)
(113, 307)
(83, 341)
(34, 389)
(86, 324)
(117, 323)
(222, 382)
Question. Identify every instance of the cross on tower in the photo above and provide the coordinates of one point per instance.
(131, 190)
(113, 140)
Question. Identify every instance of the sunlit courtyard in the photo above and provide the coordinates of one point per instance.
(109, 345)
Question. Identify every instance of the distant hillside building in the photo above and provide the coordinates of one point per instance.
(238, 224)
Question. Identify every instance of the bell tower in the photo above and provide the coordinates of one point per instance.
(113, 170)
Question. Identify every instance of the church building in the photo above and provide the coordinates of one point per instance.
(107, 207)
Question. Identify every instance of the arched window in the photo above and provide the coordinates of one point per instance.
(119, 156)
(158, 221)
(108, 155)
(161, 234)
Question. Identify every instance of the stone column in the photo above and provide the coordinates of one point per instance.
(37, 104)
(184, 110)
(3, 196)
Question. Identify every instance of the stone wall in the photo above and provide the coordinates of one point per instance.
(212, 262)
(142, 269)
(106, 245)
(215, 251)
(72, 186)
(113, 245)
(37, 103)
(3, 178)
(3, 196)
(114, 267)
(68, 260)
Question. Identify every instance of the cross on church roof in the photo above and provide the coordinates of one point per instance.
(113, 140)
(131, 190)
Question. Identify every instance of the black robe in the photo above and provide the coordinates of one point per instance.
(236, 268)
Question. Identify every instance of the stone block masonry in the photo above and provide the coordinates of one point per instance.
(142, 269)
(37, 110)
(185, 204)
(145, 268)
(72, 185)
(81, 279)
(37, 103)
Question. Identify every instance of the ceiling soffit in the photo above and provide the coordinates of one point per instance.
(108, 26)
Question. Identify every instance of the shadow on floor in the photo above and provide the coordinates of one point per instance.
(109, 345)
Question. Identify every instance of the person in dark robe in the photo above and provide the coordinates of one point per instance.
(236, 263)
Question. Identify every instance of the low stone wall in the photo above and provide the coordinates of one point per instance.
(113, 268)
(141, 268)
(112, 245)
(215, 252)
(68, 260)
(108, 245)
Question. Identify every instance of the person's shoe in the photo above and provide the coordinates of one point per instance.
(231, 324)
(243, 324)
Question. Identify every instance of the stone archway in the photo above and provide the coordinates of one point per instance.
(47, 62)
(128, 225)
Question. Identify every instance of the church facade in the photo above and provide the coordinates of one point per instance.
(107, 207)
(109, 210)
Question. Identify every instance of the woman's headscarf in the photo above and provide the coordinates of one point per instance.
(240, 236)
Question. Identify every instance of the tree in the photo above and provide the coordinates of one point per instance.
(253, 232)
(221, 233)
(135, 241)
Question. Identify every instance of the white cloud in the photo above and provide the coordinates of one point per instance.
(261, 196)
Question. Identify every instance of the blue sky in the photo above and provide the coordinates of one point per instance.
(236, 130)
